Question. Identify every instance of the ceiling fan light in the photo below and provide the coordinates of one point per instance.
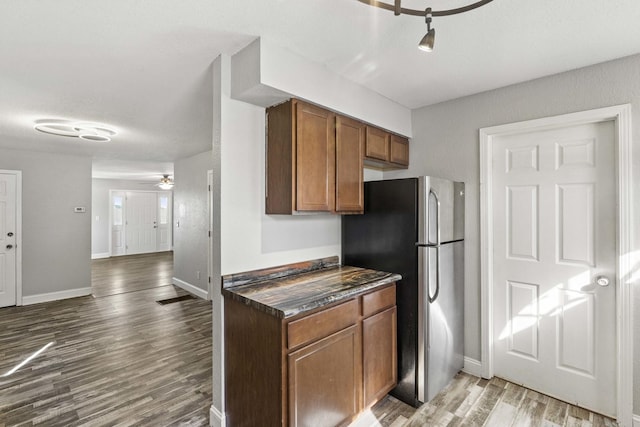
(165, 183)
(427, 42)
(95, 138)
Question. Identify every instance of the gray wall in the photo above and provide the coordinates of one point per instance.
(190, 210)
(100, 209)
(56, 242)
(446, 144)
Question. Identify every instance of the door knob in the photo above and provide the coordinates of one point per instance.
(9, 246)
(10, 234)
(602, 281)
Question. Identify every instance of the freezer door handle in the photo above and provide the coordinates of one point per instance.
(437, 291)
(433, 225)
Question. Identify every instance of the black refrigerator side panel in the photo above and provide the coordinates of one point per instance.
(384, 238)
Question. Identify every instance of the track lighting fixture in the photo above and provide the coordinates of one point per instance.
(427, 41)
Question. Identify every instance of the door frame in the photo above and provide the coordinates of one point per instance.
(18, 175)
(210, 234)
(621, 117)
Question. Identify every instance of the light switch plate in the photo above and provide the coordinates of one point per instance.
(79, 209)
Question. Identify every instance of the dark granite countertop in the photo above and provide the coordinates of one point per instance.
(287, 291)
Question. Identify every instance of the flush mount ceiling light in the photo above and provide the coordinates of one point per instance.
(165, 183)
(83, 130)
(428, 40)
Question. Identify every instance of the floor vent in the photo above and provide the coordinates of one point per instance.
(176, 299)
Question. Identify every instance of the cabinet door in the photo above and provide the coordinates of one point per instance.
(377, 144)
(315, 158)
(379, 355)
(325, 380)
(399, 150)
(349, 165)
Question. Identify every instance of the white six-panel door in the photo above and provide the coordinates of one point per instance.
(554, 236)
(7, 240)
(141, 222)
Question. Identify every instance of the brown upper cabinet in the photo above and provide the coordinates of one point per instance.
(399, 151)
(350, 142)
(377, 144)
(314, 160)
(385, 150)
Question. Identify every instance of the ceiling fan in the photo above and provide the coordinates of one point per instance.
(165, 183)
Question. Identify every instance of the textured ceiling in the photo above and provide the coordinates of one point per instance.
(144, 67)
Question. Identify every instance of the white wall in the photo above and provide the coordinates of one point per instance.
(56, 242)
(446, 144)
(250, 238)
(100, 209)
(266, 74)
(190, 211)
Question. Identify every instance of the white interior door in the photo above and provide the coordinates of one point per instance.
(554, 231)
(7, 240)
(141, 222)
(165, 210)
(118, 244)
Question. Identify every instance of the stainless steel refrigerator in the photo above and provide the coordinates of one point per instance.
(415, 227)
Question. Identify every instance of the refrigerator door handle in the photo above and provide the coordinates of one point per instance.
(434, 215)
(423, 298)
(437, 292)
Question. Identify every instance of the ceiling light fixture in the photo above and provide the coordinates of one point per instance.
(165, 183)
(83, 130)
(428, 40)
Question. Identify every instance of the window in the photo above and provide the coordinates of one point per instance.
(164, 210)
(117, 210)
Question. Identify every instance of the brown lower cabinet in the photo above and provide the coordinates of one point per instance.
(317, 369)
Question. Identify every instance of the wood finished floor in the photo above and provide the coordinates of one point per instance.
(130, 273)
(119, 360)
(472, 401)
(126, 360)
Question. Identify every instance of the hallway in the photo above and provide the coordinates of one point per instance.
(130, 273)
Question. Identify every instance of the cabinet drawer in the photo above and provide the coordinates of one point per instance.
(322, 324)
(379, 300)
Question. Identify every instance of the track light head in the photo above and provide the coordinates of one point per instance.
(426, 44)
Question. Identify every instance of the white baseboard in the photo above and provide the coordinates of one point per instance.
(190, 288)
(216, 418)
(100, 256)
(636, 421)
(472, 366)
(54, 296)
